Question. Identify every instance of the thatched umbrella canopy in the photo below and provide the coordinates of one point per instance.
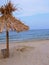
(9, 22)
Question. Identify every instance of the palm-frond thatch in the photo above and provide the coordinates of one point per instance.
(9, 22)
(7, 19)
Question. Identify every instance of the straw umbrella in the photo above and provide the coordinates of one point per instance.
(9, 22)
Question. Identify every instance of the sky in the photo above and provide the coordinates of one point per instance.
(34, 13)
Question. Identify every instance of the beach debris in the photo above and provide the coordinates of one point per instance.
(24, 48)
(4, 53)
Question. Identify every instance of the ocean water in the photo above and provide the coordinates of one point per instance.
(27, 35)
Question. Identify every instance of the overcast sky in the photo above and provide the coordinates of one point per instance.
(34, 13)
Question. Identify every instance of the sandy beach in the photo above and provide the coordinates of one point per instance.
(27, 53)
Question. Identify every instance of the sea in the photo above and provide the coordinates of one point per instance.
(35, 34)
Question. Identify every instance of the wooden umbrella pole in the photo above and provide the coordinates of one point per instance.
(7, 42)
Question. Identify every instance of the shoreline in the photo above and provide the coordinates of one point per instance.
(25, 41)
(28, 42)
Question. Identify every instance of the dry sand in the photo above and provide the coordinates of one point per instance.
(27, 53)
